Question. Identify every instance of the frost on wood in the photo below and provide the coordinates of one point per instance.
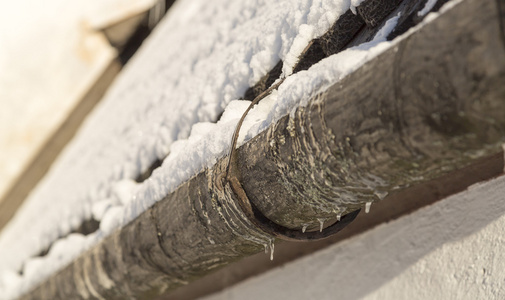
(370, 137)
(366, 124)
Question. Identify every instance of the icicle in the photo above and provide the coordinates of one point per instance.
(367, 206)
(321, 224)
(339, 216)
(304, 227)
(272, 245)
(266, 248)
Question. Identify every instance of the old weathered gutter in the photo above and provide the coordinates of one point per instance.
(432, 104)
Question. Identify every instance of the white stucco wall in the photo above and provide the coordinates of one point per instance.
(49, 57)
(453, 249)
(51, 54)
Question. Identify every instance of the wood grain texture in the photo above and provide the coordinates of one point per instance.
(432, 104)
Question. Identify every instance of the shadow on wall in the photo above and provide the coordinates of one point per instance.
(359, 266)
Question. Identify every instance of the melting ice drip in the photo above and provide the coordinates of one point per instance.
(270, 246)
(367, 207)
(321, 224)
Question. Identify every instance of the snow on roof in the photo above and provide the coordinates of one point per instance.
(201, 57)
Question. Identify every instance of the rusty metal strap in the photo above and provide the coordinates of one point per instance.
(254, 215)
(278, 231)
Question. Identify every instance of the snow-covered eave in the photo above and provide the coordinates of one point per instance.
(408, 117)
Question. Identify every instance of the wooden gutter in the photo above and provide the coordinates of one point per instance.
(425, 113)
